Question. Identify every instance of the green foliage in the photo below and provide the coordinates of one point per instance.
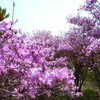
(3, 14)
(90, 94)
(90, 82)
(90, 89)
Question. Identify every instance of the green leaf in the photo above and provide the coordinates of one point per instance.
(1, 17)
(6, 16)
(3, 12)
(0, 9)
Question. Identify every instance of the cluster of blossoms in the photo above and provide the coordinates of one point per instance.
(26, 69)
(94, 47)
(84, 22)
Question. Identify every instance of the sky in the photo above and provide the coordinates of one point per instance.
(47, 15)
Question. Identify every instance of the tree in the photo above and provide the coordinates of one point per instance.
(84, 38)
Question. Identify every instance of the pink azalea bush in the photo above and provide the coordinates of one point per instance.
(81, 44)
(28, 68)
(84, 39)
(43, 67)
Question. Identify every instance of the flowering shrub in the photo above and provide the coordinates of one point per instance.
(25, 71)
(37, 67)
(84, 41)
